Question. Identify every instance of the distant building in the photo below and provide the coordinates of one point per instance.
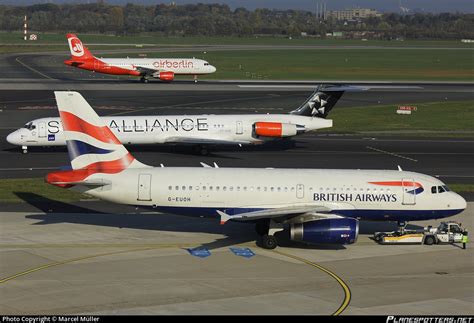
(353, 14)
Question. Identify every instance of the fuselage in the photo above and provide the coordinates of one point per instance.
(138, 66)
(380, 195)
(170, 129)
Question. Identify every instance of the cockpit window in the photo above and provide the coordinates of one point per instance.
(446, 188)
(206, 64)
(440, 189)
(30, 126)
(433, 190)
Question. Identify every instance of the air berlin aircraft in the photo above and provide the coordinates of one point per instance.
(202, 131)
(318, 205)
(164, 69)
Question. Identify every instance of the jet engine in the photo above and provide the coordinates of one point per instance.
(335, 230)
(164, 76)
(277, 129)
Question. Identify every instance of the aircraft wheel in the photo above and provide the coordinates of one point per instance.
(269, 242)
(262, 226)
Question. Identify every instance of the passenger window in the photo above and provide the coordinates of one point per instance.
(210, 188)
(217, 188)
(271, 188)
(176, 188)
(204, 188)
(190, 188)
(433, 190)
(224, 188)
(183, 188)
(170, 187)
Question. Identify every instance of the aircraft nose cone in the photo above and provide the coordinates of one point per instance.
(461, 202)
(14, 138)
(212, 68)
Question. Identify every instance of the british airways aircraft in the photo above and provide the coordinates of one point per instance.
(318, 205)
(200, 130)
(164, 69)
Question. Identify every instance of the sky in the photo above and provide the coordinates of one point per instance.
(434, 6)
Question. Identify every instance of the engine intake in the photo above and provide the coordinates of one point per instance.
(336, 231)
(277, 129)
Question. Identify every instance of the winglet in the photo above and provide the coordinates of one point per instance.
(224, 217)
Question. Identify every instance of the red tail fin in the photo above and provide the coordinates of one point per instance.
(78, 50)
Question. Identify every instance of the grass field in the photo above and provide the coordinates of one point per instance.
(354, 64)
(43, 191)
(446, 118)
(51, 38)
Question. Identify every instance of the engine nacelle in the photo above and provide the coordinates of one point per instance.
(164, 76)
(277, 129)
(335, 230)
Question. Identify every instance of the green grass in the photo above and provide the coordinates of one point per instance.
(354, 64)
(442, 117)
(38, 191)
(150, 38)
(36, 186)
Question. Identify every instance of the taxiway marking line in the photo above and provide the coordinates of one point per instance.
(389, 153)
(345, 287)
(32, 69)
(68, 261)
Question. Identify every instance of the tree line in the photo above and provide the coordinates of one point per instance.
(220, 20)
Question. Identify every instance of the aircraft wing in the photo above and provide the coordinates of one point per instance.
(145, 70)
(305, 211)
(190, 140)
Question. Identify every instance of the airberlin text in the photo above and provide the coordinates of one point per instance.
(349, 197)
(165, 63)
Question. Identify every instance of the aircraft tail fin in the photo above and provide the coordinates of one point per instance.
(323, 99)
(92, 146)
(77, 49)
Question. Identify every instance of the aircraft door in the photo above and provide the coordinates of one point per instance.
(300, 191)
(144, 187)
(409, 195)
(239, 128)
(42, 130)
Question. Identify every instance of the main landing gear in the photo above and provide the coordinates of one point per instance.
(143, 79)
(195, 78)
(266, 229)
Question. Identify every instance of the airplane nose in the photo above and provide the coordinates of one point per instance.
(461, 202)
(14, 138)
(457, 202)
(213, 68)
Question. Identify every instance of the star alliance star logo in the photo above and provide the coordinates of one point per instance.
(316, 104)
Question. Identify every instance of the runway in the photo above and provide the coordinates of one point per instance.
(448, 158)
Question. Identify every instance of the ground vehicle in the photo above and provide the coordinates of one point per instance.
(446, 232)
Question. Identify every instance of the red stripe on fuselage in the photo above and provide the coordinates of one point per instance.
(77, 175)
(397, 183)
(72, 122)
